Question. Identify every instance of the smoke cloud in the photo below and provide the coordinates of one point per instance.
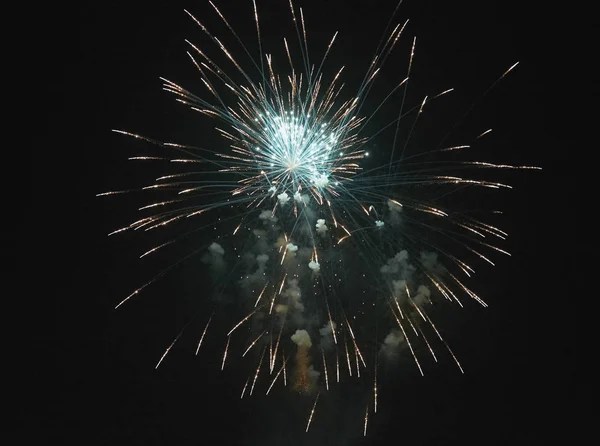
(283, 198)
(392, 344)
(305, 375)
(214, 257)
(326, 333)
(314, 266)
(321, 226)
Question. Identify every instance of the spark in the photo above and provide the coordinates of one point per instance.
(276, 348)
(225, 352)
(257, 370)
(244, 389)
(428, 346)
(168, 349)
(242, 321)
(261, 293)
(446, 344)
(375, 389)
(312, 412)
(408, 342)
(325, 369)
(348, 359)
(284, 373)
(203, 333)
(277, 376)
(253, 343)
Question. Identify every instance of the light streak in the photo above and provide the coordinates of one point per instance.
(244, 389)
(257, 370)
(203, 333)
(225, 352)
(312, 412)
(325, 369)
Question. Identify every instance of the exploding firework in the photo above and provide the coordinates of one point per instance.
(305, 216)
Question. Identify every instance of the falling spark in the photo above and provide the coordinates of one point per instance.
(261, 293)
(276, 348)
(242, 321)
(168, 349)
(225, 352)
(312, 412)
(375, 389)
(276, 376)
(257, 370)
(325, 369)
(408, 342)
(284, 374)
(446, 344)
(244, 389)
(203, 333)
(348, 359)
(253, 343)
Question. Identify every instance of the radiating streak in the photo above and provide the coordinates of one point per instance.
(270, 350)
(257, 369)
(253, 343)
(331, 321)
(284, 370)
(158, 276)
(325, 369)
(276, 376)
(342, 239)
(156, 248)
(428, 346)
(469, 292)
(408, 341)
(225, 352)
(348, 358)
(312, 412)
(244, 389)
(272, 302)
(243, 320)
(169, 348)
(446, 344)
(145, 158)
(203, 333)
(261, 293)
(375, 389)
(416, 307)
(282, 282)
(484, 133)
(412, 326)
(276, 349)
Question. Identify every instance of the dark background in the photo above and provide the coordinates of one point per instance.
(92, 376)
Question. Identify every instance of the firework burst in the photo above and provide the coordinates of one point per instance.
(308, 218)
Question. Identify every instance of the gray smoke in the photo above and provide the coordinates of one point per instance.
(214, 257)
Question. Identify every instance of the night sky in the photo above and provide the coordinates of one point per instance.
(93, 379)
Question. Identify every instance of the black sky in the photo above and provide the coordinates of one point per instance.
(93, 376)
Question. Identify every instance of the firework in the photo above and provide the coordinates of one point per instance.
(288, 184)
